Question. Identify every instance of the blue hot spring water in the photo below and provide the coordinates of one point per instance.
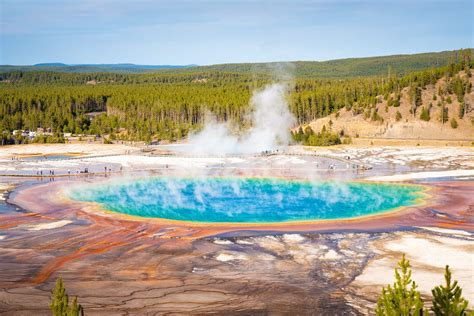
(246, 200)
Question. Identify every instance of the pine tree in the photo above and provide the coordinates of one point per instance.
(461, 110)
(299, 135)
(415, 98)
(75, 309)
(60, 302)
(59, 299)
(448, 300)
(399, 299)
(443, 117)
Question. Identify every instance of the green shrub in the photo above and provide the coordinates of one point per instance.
(454, 123)
(425, 114)
(46, 139)
(376, 116)
(309, 138)
(398, 116)
(323, 139)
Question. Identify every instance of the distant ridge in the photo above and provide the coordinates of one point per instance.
(343, 68)
(50, 65)
(339, 68)
(81, 68)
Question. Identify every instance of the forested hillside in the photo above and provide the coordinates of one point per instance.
(440, 110)
(344, 68)
(167, 106)
(340, 68)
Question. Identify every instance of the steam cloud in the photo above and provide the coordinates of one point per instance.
(271, 124)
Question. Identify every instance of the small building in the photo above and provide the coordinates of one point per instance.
(92, 115)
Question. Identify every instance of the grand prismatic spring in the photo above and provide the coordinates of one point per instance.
(246, 200)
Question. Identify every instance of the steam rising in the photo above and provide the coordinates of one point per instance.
(271, 124)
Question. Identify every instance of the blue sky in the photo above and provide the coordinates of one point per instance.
(209, 32)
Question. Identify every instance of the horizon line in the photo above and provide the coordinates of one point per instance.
(39, 64)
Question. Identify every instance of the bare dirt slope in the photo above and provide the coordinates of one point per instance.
(409, 126)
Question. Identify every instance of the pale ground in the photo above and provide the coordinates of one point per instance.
(76, 148)
(402, 159)
(428, 255)
(423, 175)
(423, 157)
(428, 250)
(46, 226)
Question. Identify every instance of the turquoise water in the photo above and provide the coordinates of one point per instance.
(246, 200)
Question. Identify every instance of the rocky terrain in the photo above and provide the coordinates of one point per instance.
(409, 126)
